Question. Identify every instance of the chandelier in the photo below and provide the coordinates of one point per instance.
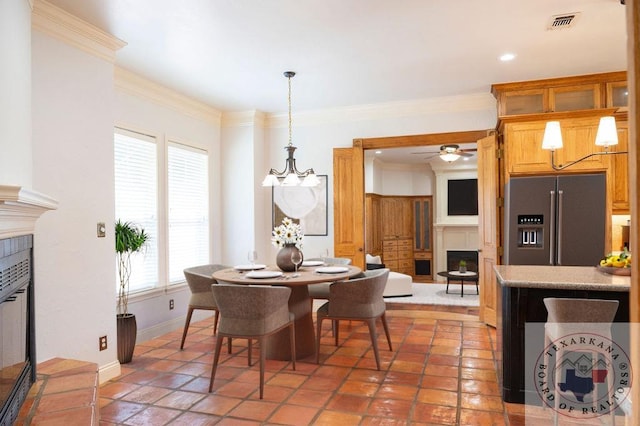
(290, 175)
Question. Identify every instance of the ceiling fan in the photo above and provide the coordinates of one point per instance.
(449, 153)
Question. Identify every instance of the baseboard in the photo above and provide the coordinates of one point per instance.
(157, 330)
(108, 372)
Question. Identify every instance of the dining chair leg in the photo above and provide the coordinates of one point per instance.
(249, 346)
(292, 339)
(216, 358)
(229, 345)
(335, 326)
(216, 317)
(386, 330)
(186, 327)
(318, 332)
(371, 322)
(262, 362)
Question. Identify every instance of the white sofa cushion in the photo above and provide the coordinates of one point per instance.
(398, 285)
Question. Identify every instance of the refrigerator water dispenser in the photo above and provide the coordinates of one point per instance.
(530, 231)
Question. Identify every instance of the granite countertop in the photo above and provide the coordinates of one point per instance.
(560, 277)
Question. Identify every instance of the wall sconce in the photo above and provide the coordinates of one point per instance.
(607, 136)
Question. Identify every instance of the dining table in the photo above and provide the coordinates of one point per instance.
(300, 304)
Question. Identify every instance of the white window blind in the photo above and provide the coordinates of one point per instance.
(188, 197)
(136, 198)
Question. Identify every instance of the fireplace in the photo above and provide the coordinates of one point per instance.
(455, 256)
(17, 331)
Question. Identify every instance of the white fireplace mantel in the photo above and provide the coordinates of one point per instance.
(20, 208)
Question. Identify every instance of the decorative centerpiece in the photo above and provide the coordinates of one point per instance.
(288, 237)
(462, 266)
(616, 264)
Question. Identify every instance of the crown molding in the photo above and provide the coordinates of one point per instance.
(244, 119)
(136, 85)
(473, 102)
(60, 24)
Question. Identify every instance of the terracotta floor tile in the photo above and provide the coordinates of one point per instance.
(391, 408)
(65, 400)
(146, 394)
(434, 414)
(254, 410)
(438, 352)
(153, 416)
(481, 418)
(309, 398)
(75, 416)
(332, 418)
(180, 400)
(294, 415)
(353, 403)
(359, 388)
(481, 402)
(438, 397)
(439, 382)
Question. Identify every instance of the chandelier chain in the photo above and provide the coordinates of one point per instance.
(289, 102)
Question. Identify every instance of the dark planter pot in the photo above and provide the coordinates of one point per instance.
(283, 259)
(127, 331)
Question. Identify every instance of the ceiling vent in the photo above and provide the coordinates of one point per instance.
(566, 20)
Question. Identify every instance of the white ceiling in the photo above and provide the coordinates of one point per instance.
(231, 53)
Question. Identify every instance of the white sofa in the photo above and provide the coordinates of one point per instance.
(398, 284)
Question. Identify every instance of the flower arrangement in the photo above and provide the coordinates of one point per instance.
(288, 232)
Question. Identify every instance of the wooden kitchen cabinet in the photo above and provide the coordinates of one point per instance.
(587, 92)
(423, 237)
(524, 153)
(619, 186)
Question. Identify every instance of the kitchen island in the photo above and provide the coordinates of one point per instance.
(521, 290)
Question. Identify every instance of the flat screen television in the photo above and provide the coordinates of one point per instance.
(462, 197)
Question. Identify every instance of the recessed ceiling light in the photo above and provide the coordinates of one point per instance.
(507, 57)
(378, 152)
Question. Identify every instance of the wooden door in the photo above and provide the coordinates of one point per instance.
(488, 231)
(348, 204)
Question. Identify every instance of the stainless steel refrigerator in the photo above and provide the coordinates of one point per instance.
(553, 220)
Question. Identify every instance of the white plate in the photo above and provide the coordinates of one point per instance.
(249, 267)
(332, 269)
(312, 263)
(264, 274)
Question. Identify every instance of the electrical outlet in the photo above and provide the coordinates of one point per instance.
(101, 230)
(171, 305)
(102, 343)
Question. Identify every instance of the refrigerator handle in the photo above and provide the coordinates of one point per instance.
(552, 225)
(559, 231)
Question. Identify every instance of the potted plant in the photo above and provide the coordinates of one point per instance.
(462, 266)
(130, 238)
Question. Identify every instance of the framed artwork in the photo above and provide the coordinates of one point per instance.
(305, 205)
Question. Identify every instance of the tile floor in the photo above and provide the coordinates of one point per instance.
(441, 371)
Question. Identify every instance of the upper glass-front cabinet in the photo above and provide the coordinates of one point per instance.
(561, 94)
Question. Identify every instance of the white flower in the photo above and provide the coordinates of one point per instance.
(288, 232)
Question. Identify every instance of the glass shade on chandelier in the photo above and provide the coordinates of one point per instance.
(290, 175)
(606, 136)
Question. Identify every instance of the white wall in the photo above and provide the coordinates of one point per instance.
(73, 162)
(15, 87)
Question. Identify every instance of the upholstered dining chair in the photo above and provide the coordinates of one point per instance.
(252, 312)
(357, 299)
(321, 290)
(199, 280)
(567, 316)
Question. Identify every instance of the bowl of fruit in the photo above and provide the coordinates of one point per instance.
(616, 264)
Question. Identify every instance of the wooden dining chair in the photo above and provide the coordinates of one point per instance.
(253, 313)
(199, 280)
(358, 299)
(321, 290)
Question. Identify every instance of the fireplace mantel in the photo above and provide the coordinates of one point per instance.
(20, 208)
